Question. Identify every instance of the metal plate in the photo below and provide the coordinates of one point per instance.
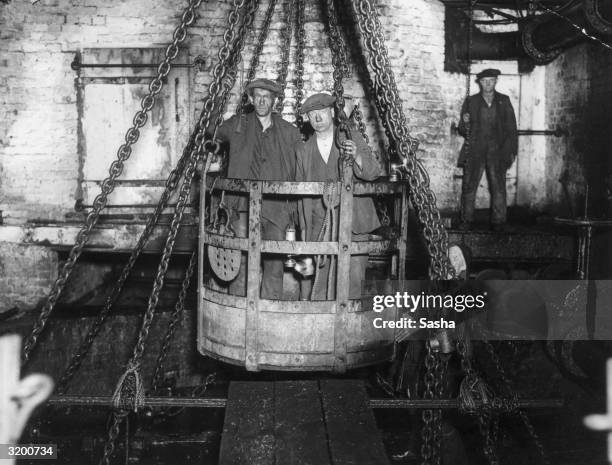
(225, 263)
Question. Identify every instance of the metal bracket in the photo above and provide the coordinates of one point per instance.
(199, 63)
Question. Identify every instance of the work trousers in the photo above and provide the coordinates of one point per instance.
(272, 265)
(496, 177)
(358, 265)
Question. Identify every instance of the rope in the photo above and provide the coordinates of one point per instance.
(331, 198)
(474, 395)
(129, 393)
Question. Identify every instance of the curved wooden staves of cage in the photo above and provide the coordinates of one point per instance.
(303, 335)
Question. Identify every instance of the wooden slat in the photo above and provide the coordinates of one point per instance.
(353, 436)
(253, 272)
(343, 267)
(299, 426)
(248, 430)
(300, 423)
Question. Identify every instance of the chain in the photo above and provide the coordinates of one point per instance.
(218, 72)
(441, 369)
(353, 38)
(198, 391)
(428, 452)
(284, 68)
(485, 427)
(117, 417)
(513, 401)
(79, 356)
(339, 59)
(299, 62)
(357, 116)
(483, 411)
(174, 319)
(115, 170)
(395, 123)
(468, 78)
(171, 184)
(231, 69)
(265, 28)
(226, 57)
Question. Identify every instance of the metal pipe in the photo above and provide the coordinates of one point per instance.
(558, 132)
(165, 402)
(541, 37)
(199, 63)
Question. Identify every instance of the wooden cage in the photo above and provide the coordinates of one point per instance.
(296, 335)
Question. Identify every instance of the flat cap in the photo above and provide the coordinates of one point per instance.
(267, 84)
(317, 102)
(491, 72)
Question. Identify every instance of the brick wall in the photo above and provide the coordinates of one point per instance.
(39, 130)
(26, 275)
(38, 133)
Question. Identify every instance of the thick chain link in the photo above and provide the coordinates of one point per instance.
(285, 51)
(339, 58)
(485, 428)
(117, 418)
(174, 320)
(353, 38)
(190, 171)
(395, 124)
(299, 61)
(428, 415)
(357, 116)
(468, 77)
(231, 74)
(483, 412)
(116, 168)
(171, 183)
(263, 35)
(226, 58)
(512, 402)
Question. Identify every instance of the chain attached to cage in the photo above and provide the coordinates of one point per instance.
(339, 61)
(395, 123)
(174, 320)
(299, 61)
(116, 168)
(285, 51)
(230, 55)
(430, 431)
(263, 35)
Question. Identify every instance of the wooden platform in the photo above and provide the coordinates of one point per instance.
(327, 422)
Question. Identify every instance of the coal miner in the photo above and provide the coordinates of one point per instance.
(261, 147)
(318, 159)
(488, 124)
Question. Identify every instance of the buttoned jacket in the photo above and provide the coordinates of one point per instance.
(506, 136)
(365, 219)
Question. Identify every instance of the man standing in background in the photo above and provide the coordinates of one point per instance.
(488, 124)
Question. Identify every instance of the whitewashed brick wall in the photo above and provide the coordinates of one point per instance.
(38, 128)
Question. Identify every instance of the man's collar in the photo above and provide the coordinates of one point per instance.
(273, 115)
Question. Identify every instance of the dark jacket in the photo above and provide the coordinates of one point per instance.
(506, 136)
(308, 164)
(270, 154)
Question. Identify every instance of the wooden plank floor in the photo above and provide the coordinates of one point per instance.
(325, 422)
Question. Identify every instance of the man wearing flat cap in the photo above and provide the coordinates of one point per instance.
(318, 159)
(261, 147)
(488, 124)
